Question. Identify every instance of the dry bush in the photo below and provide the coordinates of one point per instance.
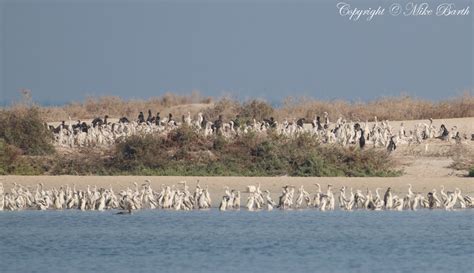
(463, 158)
(226, 106)
(23, 128)
(8, 155)
(230, 108)
(186, 153)
(256, 109)
(391, 108)
(117, 107)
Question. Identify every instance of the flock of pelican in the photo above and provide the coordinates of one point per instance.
(259, 200)
(93, 198)
(179, 197)
(343, 132)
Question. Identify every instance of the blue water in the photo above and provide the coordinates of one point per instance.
(212, 241)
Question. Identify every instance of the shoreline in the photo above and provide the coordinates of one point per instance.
(216, 184)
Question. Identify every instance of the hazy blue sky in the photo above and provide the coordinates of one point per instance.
(65, 50)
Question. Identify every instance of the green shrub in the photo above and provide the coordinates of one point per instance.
(12, 162)
(24, 129)
(8, 155)
(183, 136)
(138, 151)
(90, 164)
(183, 153)
(219, 143)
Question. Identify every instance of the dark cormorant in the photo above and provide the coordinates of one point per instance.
(445, 133)
(218, 124)
(141, 117)
(391, 145)
(124, 120)
(150, 118)
(300, 122)
(362, 139)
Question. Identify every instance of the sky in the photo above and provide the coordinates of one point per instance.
(67, 50)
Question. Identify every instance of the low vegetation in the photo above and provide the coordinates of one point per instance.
(8, 155)
(25, 148)
(117, 107)
(184, 152)
(391, 108)
(24, 129)
(25, 142)
(463, 159)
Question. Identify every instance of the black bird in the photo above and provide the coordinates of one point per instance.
(141, 117)
(84, 127)
(362, 139)
(318, 123)
(98, 121)
(170, 119)
(77, 125)
(431, 201)
(357, 127)
(272, 122)
(458, 138)
(300, 122)
(445, 133)
(124, 120)
(391, 145)
(204, 122)
(150, 117)
(218, 124)
(237, 122)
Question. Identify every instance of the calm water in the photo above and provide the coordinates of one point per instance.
(211, 241)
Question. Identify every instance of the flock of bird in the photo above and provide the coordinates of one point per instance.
(101, 132)
(323, 201)
(20, 198)
(179, 197)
